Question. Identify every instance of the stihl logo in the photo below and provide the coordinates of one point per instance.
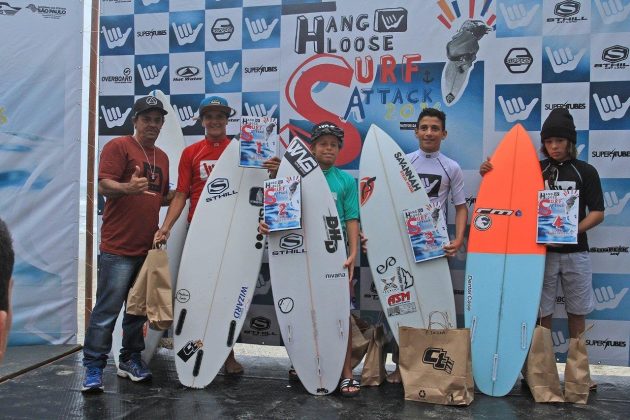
(398, 298)
(567, 8)
(439, 359)
(615, 54)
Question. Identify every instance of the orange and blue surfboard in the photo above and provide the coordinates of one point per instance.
(505, 265)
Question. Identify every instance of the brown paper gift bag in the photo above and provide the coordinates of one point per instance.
(374, 372)
(541, 370)
(436, 366)
(359, 342)
(151, 294)
(577, 376)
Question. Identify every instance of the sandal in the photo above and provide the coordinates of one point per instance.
(346, 384)
(293, 376)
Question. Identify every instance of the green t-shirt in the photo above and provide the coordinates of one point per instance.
(344, 189)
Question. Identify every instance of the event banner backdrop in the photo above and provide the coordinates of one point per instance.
(40, 161)
(488, 64)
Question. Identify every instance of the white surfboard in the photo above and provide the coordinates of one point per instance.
(409, 292)
(218, 270)
(309, 284)
(171, 141)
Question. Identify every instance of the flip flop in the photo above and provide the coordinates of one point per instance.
(346, 384)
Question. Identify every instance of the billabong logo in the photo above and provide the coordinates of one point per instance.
(439, 359)
(367, 188)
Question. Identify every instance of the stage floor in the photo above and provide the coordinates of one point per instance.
(53, 391)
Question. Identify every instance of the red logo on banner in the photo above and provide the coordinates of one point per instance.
(323, 68)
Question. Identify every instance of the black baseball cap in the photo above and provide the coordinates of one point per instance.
(148, 103)
(327, 127)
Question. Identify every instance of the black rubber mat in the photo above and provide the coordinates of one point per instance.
(53, 391)
(21, 359)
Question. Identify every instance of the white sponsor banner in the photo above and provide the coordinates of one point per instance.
(609, 153)
(40, 154)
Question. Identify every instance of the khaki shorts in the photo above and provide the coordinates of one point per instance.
(573, 271)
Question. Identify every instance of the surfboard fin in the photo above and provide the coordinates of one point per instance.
(180, 322)
(495, 367)
(230, 339)
(197, 366)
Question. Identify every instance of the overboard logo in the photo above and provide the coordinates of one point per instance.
(218, 188)
(240, 303)
(407, 174)
(518, 60)
(333, 233)
(439, 359)
(300, 158)
(124, 78)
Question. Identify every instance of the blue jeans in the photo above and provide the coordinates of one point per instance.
(116, 275)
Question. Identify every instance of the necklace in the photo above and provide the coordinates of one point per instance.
(151, 168)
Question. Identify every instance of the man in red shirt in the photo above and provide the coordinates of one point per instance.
(133, 176)
(195, 167)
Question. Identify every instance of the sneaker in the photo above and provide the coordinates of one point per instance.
(134, 369)
(93, 381)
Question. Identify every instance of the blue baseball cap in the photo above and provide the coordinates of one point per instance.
(215, 103)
